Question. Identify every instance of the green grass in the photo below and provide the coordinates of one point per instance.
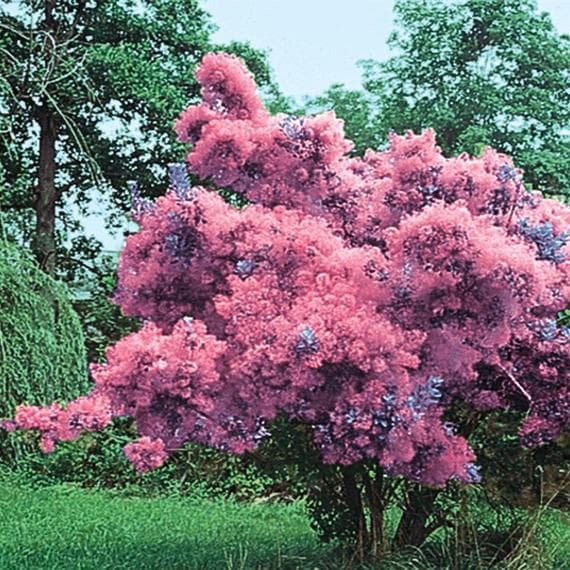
(65, 527)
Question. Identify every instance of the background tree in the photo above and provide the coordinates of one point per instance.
(89, 91)
(42, 355)
(480, 72)
(357, 110)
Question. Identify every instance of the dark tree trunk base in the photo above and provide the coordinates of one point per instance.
(413, 528)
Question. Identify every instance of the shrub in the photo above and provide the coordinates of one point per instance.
(42, 356)
(384, 304)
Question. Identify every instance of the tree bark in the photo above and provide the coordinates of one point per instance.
(375, 493)
(354, 501)
(413, 528)
(44, 245)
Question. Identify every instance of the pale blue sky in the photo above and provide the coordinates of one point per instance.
(312, 44)
(315, 43)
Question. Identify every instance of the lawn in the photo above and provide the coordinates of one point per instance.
(65, 527)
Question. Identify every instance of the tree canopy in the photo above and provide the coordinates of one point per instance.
(480, 72)
(89, 91)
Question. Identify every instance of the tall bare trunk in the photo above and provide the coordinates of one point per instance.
(44, 239)
(43, 244)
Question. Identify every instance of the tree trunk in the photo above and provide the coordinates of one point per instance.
(413, 528)
(43, 243)
(354, 501)
(44, 238)
(375, 492)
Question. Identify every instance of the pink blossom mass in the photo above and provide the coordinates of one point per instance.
(364, 297)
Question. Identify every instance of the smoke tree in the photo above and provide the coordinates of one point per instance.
(361, 297)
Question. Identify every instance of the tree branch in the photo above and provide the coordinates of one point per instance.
(27, 206)
(76, 19)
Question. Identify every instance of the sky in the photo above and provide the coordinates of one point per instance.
(315, 43)
(312, 44)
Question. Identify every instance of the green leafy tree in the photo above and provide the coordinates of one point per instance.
(103, 323)
(89, 91)
(42, 355)
(480, 72)
(358, 111)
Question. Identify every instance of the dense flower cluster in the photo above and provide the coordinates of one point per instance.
(360, 296)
